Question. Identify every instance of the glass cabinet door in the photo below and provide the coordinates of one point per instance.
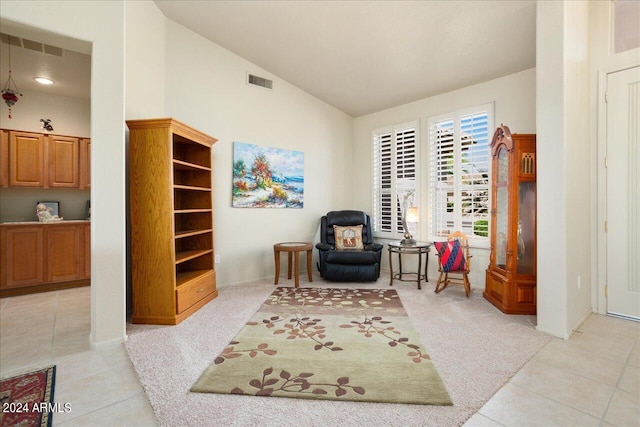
(502, 209)
(526, 227)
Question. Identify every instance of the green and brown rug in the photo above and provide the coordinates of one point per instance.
(338, 344)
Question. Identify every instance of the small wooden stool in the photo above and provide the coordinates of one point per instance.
(290, 248)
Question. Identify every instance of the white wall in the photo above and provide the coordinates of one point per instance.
(552, 215)
(145, 59)
(578, 158)
(101, 23)
(145, 82)
(206, 89)
(564, 166)
(69, 116)
(514, 105)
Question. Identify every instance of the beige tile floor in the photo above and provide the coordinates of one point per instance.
(591, 379)
(53, 328)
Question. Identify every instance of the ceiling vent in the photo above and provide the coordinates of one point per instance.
(252, 79)
(31, 45)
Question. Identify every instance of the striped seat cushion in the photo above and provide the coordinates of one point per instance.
(451, 255)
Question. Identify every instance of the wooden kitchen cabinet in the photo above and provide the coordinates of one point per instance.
(26, 159)
(85, 163)
(87, 250)
(40, 257)
(4, 158)
(65, 244)
(30, 159)
(22, 261)
(63, 161)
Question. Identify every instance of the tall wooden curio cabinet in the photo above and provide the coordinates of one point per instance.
(511, 276)
(170, 186)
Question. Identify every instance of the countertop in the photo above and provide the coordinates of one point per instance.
(72, 221)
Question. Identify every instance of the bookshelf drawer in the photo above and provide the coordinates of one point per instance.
(193, 291)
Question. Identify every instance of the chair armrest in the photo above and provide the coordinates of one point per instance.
(373, 247)
(324, 247)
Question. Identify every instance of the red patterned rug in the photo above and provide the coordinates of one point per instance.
(337, 344)
(27, 400)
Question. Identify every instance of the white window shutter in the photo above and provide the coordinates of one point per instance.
(442, 179)
(474, 174)
(382, 182)
(394, 174)
(459, 179)
(405, 139)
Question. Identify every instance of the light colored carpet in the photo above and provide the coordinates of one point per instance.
(329, 344)
(475, 347)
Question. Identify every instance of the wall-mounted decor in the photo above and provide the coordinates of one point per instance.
(265, 177)
(46, 125)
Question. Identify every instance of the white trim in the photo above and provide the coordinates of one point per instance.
(108, 343)
(598, 292)
(564, 336)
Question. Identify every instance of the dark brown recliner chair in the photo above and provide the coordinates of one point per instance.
(348, 265)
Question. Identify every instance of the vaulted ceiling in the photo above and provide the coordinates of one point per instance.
(366, 56)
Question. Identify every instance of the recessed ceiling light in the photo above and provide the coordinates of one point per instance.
(43, 80)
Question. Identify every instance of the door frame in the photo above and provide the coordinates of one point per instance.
(599, 299)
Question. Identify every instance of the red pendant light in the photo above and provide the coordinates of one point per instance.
(10, 90)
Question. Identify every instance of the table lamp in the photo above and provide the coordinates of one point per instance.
(410, 214)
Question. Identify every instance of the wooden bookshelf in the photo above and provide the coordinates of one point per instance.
(172, 251)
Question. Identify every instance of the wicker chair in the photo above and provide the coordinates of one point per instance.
(454, 262)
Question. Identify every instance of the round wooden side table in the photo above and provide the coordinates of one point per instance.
(290, 248)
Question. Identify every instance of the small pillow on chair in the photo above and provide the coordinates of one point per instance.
(348, 238)
(451, 255)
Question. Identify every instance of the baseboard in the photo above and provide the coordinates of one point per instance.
(104, 344)
(581, 321)
(47, 287)
(553, 333)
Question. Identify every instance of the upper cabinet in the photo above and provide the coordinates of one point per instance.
(64, 156)
(29, 159)
(85, 163)
(26, 159)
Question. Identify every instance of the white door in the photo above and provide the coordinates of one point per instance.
(623, 193)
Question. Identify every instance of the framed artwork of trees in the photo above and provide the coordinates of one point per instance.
(266, 177)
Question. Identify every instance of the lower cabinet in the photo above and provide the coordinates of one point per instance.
(40, 257)
(23, 256)
(65, 244)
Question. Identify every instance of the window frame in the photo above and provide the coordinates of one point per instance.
(455, 116)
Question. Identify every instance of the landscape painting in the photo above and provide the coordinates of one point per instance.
(265, 177)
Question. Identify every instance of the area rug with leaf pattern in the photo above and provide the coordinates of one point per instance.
(338, 344)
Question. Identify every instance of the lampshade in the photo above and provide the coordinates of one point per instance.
(412, 214)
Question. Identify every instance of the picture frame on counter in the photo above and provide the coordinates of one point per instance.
(52, 207)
